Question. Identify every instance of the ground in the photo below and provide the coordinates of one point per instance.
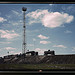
(37, 66)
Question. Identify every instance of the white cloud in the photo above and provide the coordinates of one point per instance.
(17, 52)
(61, 46)
(5, 42)
(13, 52)
(30, 45)
(8, 34)
(73, 48)
(50, 4)
(34, 21)
(15, 12)
(56, 19)
(40, 51)
(34, 39)
(42, 37)
(9, 48)
(2, 19)
(49, 19)
(45, 42)
(14, 23)
(37, 14)
(8, 16)
(67, 31)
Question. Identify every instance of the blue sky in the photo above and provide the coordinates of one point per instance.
(48, 26)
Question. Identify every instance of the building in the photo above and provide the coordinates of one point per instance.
(49, 52)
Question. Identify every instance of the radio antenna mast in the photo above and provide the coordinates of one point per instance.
(24, 31)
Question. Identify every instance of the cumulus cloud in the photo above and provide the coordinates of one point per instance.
(61, 46)
(37, 14)
(8, 34)
(45, 42)
(67, 31)
(49, 19)
(56, 19)
(2, 19)
(40, 51)
(42, 37)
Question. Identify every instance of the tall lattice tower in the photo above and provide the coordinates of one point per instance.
(24, 32)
